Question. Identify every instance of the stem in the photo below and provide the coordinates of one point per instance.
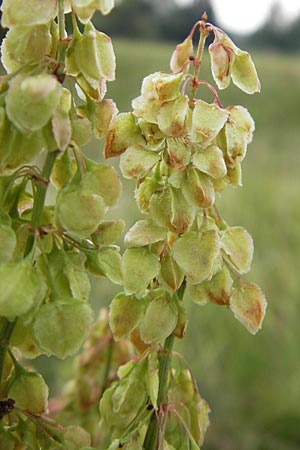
(6, 333)
(105, 382)
(198, 58)
(61, 31)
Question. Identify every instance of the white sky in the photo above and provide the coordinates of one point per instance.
(245, 16)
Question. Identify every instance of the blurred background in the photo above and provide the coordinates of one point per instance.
(252, 384)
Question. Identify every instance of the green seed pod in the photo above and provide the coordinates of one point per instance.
(103, 180)
(106, 262)
(125, 314)
(25, 44)
(63, 171)
(32, 100)
(210, 161)
(60, 122)
(122, 132)
(180, 59)
(144, 232)
(108, 232)
(79, 211)
(198, 188)
(20, 287)
(238, 247)
(8, 243)
(172, 117)
(179, 153)
(30, 392)
(222, 58)
(14, 13)
(81, 130)
(140, 266)
(94, 56)
(85, 8)
(207, 122)
(244, 73)
(248, 305)
(217, 290)
(195, 254)
(100, 114)
(159, 320)
(75, 437)
(170, 276)
(137, 162)
(144, 193)
(61, 326)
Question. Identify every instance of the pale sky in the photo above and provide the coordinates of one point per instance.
(245, 16)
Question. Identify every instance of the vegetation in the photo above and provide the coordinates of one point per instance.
(208, 324)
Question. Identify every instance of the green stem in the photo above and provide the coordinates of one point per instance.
(5, 335)
(150, 442)
(105, 382)
(198, 60)
(61, 31)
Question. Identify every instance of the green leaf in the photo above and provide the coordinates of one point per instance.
(180, 57)
(144, 232)
(159, 320)
(20, 287)
(195, 254)
(210, 161)
(140, 266)
(125, 314)
(8, 243)
(137, 162)
(61, 326)
(244, 73)
(25, 44)
(248, 305)
(30, 392)
(207, 122)
(172, 117)
(123, 131)
(238, 246)
(217, 290)
(14, 13)
(32, 100)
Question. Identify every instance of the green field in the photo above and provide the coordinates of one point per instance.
(251, 383)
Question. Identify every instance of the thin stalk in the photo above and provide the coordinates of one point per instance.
(61, 31)
(198, 59)
(105, 382)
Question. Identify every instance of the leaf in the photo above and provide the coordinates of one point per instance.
(140, 266)
(144, 232)
(244, 73)
(30, 392)
(159, 320)
(248, 305)
(125, 314)
(137, 162)
(238, 246)
(172, 117)
(122, 132)
(20, 287)
(61, 326)
(207, 122)
(210, 161)
(195, 254)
